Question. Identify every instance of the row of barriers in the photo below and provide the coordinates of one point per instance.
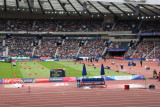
(67, 79)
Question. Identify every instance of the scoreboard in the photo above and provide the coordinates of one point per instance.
(57, 73)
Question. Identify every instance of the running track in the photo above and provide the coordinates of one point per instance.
(71, 96)
(44, 95)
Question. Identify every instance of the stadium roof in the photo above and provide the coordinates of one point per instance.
(79, 7)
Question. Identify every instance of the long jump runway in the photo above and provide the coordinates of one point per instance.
(67, 94)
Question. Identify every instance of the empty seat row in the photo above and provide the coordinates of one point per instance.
(85, 80)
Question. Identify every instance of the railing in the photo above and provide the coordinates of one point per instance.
(70, 33)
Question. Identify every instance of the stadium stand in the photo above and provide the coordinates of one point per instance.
(87, 25)
(144, 49)
(150, 26)
(155, 53)
(125, 25)
(47, 48)
(129, 52)
(69, 49)
(19, 47)
(93, 47)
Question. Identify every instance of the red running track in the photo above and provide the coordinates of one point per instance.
(69, 95)
(114, 95)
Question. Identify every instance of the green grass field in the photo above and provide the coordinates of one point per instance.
(72, 69)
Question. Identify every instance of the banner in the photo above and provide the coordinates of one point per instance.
(20, 60)
(132, 77)
(11, 81)
(49, 59)
(1, 81)
(39, 80)
(45, 57)
(83, 38)
(117, 57)
(20, 57)
(138, 77)
(37, 60)
(25, 60)
(152, 59)
(55, 79)
(135, 59)
(14, 60)
(27, 80)
(147, 34)
(113, 50)
(69, 79)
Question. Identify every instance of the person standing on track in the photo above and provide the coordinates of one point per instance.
(159, 61)
(141, 63)
(159, 76)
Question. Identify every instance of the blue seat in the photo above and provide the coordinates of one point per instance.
(95, 79)
(91, 79)
(84, 80)
(87, 80)
(102, 79)
(98, 79)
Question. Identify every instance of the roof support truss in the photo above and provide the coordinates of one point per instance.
(51, 5)
(40, 6)
(139, 10)
(82, 6)
(96, 8)
(74, 8)
(107, 8)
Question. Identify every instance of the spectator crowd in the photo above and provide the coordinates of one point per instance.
(47, 48)
(85, 25)
(69, 49)
(93, 47)
(20, 47)
(144, 49)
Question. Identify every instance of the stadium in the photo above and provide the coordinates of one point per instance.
(79, 53)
